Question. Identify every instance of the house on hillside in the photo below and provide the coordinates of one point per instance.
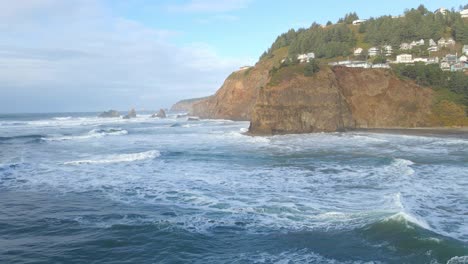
(442, 42)
(303, 58)
(441, 10)
(445, 66)
(432, 43)
(450, 42)
(465, 49)
(359, 21)
(420, 60)
(405, 46)
(463, 58)
(434, 60)
(433, 49)
(464, 13)
(381, 66)
(387, 50)
(404, 58)
(459, 66)
(450, 59)
(374, 51)
(358, 52)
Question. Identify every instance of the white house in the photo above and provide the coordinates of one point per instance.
(404, 58)
(359, 21)
(464, 13)
(405, 46)
(388, 50)
(374, 51)
(465, 49)
(445, 66)
(421, 42)
(463, 58)
(381, 66)
(434, 60)
(420, 60)
(432, 43)
(441, 10)
(442, 42)
(433, 48)
(358, 51)
(306, 57)
(414, 44)
(450, 42)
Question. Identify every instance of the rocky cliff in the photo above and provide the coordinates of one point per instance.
(340, 99)
(236, 98)
(186, 105)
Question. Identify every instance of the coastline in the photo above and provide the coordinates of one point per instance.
(419, 131)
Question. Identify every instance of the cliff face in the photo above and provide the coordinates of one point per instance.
(236, 98)
(339, 99)
(186, 105)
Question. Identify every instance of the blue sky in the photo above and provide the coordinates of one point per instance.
(92, 55)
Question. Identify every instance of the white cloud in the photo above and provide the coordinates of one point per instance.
(86, 58)
(210, 6)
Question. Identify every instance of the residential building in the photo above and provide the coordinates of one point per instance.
(464, 13)
(405, 46)
(441, 10)
(434, 60)
(445, 66)
(303, 58)
(450, 42)
(381, 66)
(359, 21)
(450, 58)
(404, 58)
(433, 48)
(374, 51)
(460, 66)
(413, 44)
(463, 58)
(465, 49)
(432, 43)
(358, 51)
(387, 50)
(420, 60)
(442, 42)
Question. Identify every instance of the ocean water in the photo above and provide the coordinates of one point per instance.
(75, 188)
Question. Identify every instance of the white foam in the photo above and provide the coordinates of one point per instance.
(458, 260)
(118, 158)
(95, 133)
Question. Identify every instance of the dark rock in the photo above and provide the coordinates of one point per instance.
(109, 114)
(131, 114)
(160, 114)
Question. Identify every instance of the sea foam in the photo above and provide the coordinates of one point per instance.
(120, 158)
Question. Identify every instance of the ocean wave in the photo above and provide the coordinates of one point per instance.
(120, 158)
(401, 167)
(95, 133)
(62, 118)
(458, 260)
(34, 136)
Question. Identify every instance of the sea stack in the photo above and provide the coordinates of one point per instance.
(131, 114)
(109, 114)
(160, 114)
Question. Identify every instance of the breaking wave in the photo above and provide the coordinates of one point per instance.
(121, 158)
(95, 133)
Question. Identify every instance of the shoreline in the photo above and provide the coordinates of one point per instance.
(417, 131)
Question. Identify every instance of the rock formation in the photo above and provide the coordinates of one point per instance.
(160, 114)
(340, 99)
(109, 114)
(236, 98)
(186, 105)
(131, 114)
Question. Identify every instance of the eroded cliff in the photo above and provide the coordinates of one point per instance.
(238, 95)
(340, 99)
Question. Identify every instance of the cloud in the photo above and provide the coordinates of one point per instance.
(210, 6)
(86, 58)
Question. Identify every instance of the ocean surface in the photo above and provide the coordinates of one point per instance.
(75, 188)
